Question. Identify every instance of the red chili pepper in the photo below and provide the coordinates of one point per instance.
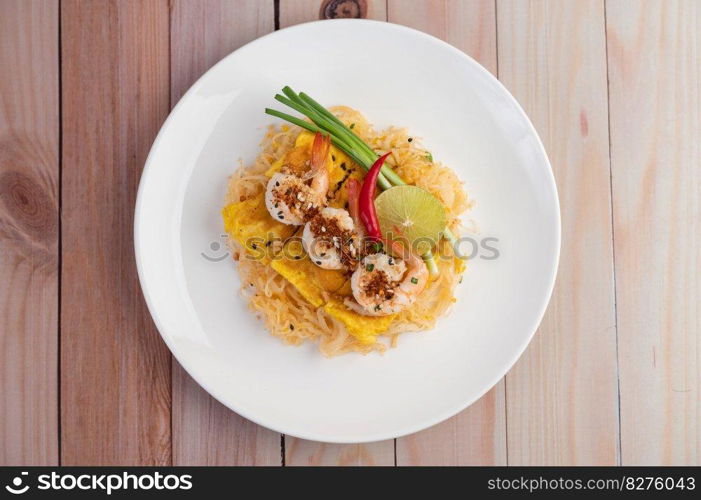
(366, 202)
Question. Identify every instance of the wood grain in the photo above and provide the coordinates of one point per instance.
(476, 436)
(654, 51)
(29, 172)
(205, 432)
(299, 451)
(124, 64)
(115, 370)
(302, 11)
(469, 25)
(562, 394)
(204, 31)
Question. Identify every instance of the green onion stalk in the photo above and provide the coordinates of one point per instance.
(322, 120)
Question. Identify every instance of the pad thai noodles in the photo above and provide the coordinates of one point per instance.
(344, 235)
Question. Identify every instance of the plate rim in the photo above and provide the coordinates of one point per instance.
(191, 370)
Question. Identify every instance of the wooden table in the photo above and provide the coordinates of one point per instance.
(611, 377)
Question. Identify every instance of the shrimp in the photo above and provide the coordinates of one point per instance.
(331, 240)
(353, 187)
(294, 200)
(384, 285)
(291, 201)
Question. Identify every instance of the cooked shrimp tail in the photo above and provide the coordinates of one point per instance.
(400, 250)
(417, 273)
(320, 151)
(318, 172)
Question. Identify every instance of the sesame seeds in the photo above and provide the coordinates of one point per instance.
(329, 233)
(379, 286)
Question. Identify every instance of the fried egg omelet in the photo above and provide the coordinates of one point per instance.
(249, 223)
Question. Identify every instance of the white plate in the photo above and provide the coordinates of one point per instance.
(394, 75)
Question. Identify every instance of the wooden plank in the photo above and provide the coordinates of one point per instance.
(204, 31)
(205, 432)
(476, 436)
(302, 11)
(654, 49)
(299, 451)
(562, 394)
(29, 172)
(115, 370)
(469, 25)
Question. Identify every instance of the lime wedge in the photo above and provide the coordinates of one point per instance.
(412, 213)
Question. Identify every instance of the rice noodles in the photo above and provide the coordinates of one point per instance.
(280, 305)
